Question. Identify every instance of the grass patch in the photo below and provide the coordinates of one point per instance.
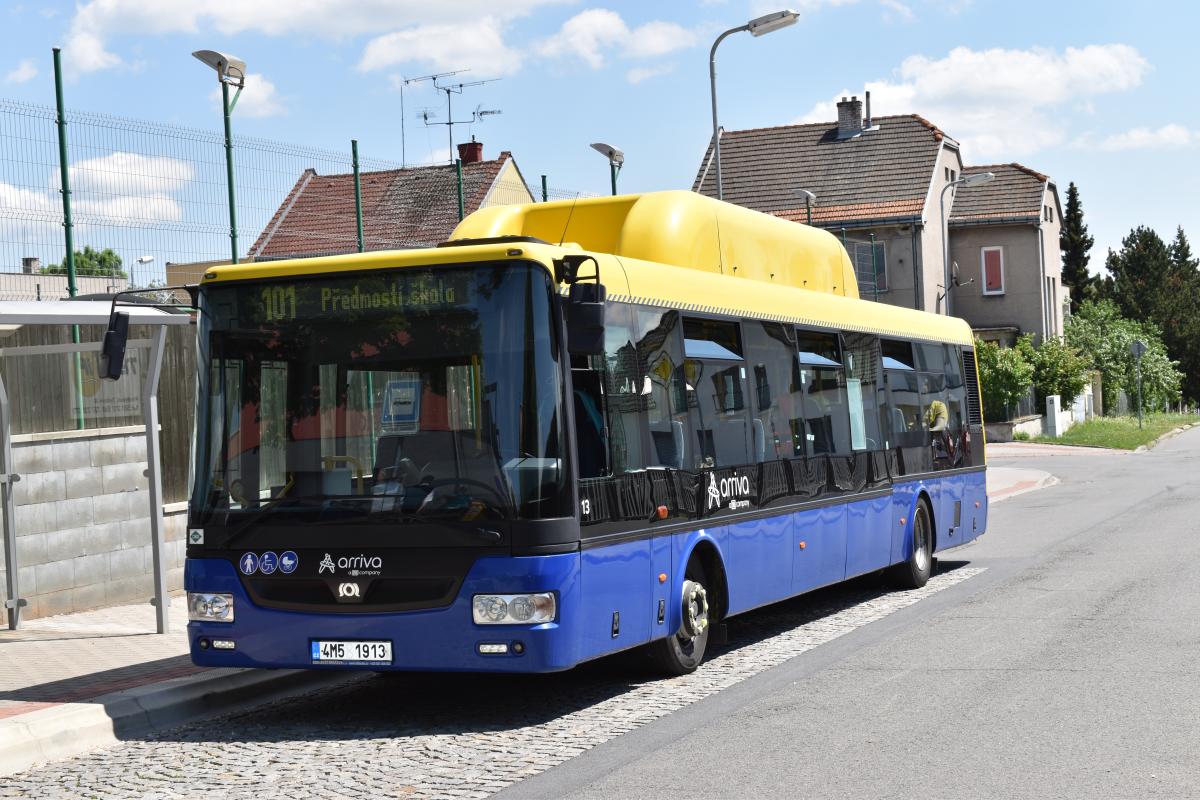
(1120, 433)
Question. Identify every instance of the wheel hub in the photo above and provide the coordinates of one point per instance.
(695, 609)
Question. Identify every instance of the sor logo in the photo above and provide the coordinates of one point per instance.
(727, 490)
(350, 590)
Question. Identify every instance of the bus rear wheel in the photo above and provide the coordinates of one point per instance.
(914, 573)
(681, 652)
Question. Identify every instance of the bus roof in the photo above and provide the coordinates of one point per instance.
(684, 229)
(634, 279)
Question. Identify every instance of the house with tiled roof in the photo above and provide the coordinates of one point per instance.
(1005, 255)
(401, 208)
(878, 184)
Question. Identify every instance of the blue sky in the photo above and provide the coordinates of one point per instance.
(1097, 93)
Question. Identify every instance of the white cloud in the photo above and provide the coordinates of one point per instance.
(1168, 136)
(95, 22)
(639, 74)
(129, 186)
(594, 34)
(894, 8)
(25, 71)
(478, 44)
(25, 200)
(1000, 103)
(258, 100)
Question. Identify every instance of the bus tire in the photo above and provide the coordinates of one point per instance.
(914, 573)
(681, 652)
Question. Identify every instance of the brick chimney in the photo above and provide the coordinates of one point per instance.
(850, 117)
(31, 265)
(470, 152)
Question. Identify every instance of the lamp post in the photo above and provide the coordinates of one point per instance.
(757, 27)
(616, 160)
(230, 70)
(967, 181)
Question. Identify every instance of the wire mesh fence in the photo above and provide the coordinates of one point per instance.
(149, 201)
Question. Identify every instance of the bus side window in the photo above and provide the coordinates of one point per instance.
(906, 425)
(715, 380)
(864, 390)
(661, 386)
(823, 378)
(777, 415)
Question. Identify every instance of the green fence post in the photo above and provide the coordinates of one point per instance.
(545, 191)
(461, 205)
(357, 194)
(68, 226)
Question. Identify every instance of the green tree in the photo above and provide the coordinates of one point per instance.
(1179, 315)
(1105, 338)
(1058, 368)
(91, 263)
(1076, 247)
(1005, 376)
(1139, 271)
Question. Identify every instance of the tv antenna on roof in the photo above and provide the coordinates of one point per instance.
(451, 89)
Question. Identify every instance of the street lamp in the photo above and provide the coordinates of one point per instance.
(757, 27)
(967, 182)
(809, 199)
(616, 159)
(230, 70)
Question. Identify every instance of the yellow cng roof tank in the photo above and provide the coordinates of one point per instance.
(684, 229)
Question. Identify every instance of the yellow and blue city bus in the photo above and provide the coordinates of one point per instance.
(576, 428)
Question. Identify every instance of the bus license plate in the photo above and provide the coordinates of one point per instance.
(351, 652)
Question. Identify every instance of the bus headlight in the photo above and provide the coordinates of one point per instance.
(210, 607)
(513, 609)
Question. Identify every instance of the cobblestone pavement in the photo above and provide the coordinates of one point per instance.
(448, 735)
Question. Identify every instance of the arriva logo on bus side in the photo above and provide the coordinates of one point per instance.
(730, 489)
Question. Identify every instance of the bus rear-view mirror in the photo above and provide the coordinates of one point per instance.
(112, 349)
(585, 319)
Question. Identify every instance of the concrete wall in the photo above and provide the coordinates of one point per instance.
(898, 257)
(933, 258)
(1021, 305)
(83, 521)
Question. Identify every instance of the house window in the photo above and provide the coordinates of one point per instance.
(992, 261)
(866, 273)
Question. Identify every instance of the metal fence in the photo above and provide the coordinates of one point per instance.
(146, 195)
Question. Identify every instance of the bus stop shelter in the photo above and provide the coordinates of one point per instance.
(69, 313)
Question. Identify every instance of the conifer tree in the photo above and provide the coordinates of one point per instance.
(1076, 245)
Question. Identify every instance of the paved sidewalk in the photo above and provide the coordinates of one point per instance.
(75, 682)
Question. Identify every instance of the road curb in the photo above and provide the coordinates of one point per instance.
(70, 729)
(1171, 434)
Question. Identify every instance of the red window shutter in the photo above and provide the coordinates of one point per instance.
(992, 271)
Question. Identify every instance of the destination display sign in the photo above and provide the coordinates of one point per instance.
(408, 291)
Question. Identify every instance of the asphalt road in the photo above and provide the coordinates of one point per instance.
(1056, 657)
(1068, 669)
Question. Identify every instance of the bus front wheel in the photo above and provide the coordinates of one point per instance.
(681, 652)
(914, 573)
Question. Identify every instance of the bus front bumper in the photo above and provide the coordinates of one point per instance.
(442, 639)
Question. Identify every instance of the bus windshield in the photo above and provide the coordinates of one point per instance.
(400, 396)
